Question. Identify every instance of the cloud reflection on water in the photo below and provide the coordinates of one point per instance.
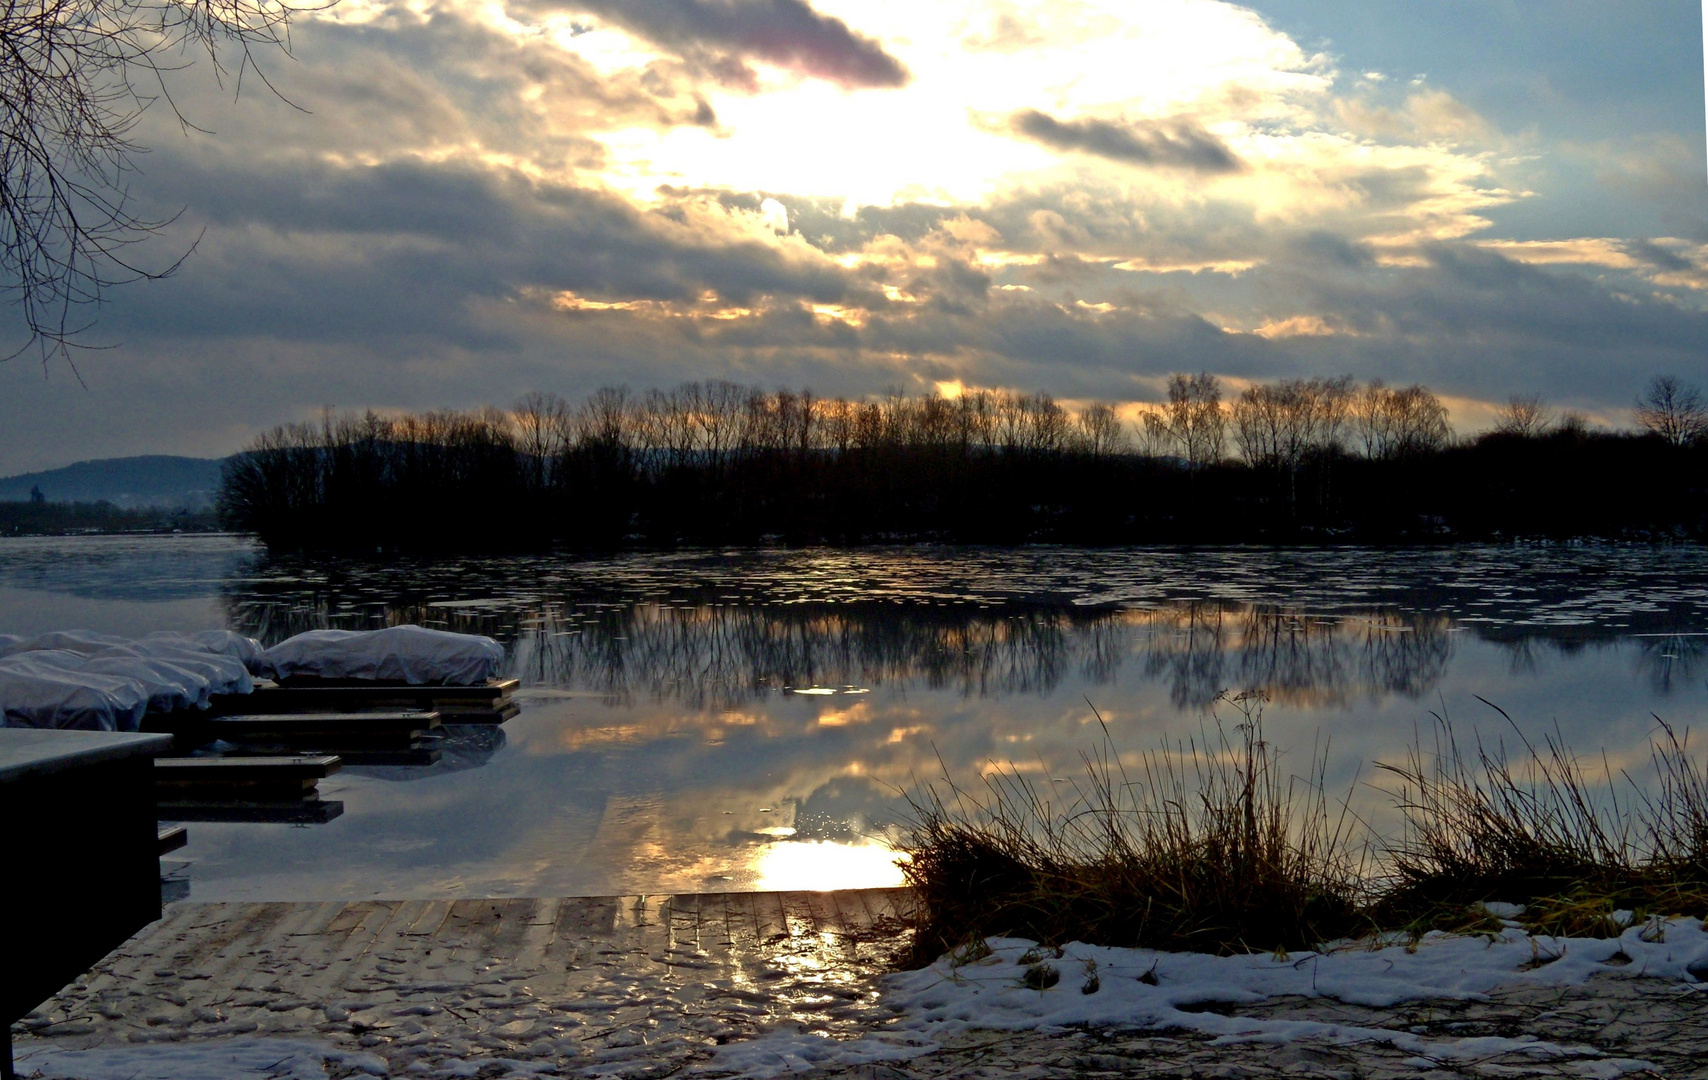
(664, 744)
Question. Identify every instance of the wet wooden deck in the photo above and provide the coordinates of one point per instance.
(355, 945)
(561, 979)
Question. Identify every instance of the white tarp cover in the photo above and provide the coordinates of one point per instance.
(245, 650)
(81, 679)
(410, 654)
(44, 689)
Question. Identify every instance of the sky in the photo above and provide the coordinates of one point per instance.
(448, 204)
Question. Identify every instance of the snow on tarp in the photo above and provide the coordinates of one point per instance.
(78, 641)
(245, 650)
(82, 679)
(169, 687)
(410, 654)
(44, 689)
(224, 674)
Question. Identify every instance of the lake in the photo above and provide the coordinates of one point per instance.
(708, 721)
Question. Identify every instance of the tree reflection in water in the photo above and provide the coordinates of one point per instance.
(711, 657)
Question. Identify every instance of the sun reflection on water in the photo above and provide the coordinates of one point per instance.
(820, 865)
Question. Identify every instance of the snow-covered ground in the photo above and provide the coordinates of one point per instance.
(1090, 985)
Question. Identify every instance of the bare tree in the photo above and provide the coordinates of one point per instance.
(75, 77)
(1525, 416)
(1193, 424)
(1673, 410)
(1100, 430)
(542, 422)
(604, 421)
(1281, 424)
(1396, 423)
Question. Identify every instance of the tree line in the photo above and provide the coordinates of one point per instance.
(716, 462)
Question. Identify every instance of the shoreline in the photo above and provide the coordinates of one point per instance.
(764, 984)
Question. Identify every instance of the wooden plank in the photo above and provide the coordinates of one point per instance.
(342, 743)
(416, 757)
(323, 722)
(241, 768)
(502, 687)
(427, 921)
(740, 921)
(170, 838)
(313, 811)
(297, 697)
(374, 917)
(771, 920)
(537, 936)
(453, 714)
(284, 787)
(322, 915)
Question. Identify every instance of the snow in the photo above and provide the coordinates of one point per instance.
(950, 999)
(215, 1059)
(81, 679)
(407, 653)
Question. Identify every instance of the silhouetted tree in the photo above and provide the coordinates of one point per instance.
(1524, 416)
(1399, 423)
(1193, 424)
(1281, 424)
(1673, 410)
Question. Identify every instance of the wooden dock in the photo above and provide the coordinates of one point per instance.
(360, 722)
(489, 703)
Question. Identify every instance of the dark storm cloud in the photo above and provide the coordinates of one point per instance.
(787, 33)
(404, 250)
(1180, 144)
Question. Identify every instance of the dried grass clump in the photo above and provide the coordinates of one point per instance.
(1213, 848)
(1586, 850)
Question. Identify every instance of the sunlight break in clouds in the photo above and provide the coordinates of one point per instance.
(944, 137)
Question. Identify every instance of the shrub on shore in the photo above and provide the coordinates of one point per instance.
(1211, 847)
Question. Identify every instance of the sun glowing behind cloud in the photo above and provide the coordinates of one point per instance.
(945, 136)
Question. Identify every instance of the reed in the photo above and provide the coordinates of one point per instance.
(1572, 840)
(1212, 846)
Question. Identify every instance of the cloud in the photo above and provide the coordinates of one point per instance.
(1425, 115)
(480, 200)
(1181, 144)
(786, 33)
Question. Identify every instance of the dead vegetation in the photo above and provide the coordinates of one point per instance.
(1213, 846)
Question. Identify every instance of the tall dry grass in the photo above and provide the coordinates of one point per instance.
(1572, 839)
(1213, 846)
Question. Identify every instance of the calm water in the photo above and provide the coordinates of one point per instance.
(745, 720)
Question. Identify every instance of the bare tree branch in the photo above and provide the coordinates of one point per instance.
(75, 78)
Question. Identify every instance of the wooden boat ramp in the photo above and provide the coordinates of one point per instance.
(261, 756)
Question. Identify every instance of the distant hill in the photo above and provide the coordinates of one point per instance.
(129, 482)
